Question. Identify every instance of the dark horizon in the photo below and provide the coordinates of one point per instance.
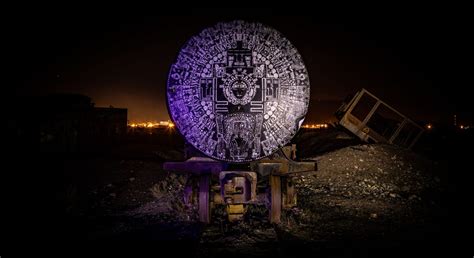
(123, 61)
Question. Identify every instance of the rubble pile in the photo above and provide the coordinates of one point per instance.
(168, 201)
(370, 171)
(361, 191)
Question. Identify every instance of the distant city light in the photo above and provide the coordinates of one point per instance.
(461, 126)
(315, 126)
(429, 126)
(160, 124)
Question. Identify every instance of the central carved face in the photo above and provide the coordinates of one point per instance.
(239, 88)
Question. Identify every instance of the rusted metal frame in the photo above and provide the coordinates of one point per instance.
(405, 121)
(250, 176)
(393, 109)
(416, 139)
(381, 101)
(284, 168)
(399, 129)
(203, 168)
(298, 173)
(275, 210)
(371, 113)
(353, 103)
(289, 196)
(278, 169)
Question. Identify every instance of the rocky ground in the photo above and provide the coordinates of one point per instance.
(360, 188)
(360, 192)
(363, 192)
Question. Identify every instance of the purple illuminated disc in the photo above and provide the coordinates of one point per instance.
(238, 91)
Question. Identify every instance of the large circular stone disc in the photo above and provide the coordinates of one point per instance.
(238, 91)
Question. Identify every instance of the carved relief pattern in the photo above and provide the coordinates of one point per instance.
(238, 91)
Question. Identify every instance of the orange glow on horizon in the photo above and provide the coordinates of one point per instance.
(315, 126)
(152, 124)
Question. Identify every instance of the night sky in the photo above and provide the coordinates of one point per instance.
(406, 59)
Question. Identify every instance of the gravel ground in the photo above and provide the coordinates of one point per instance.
(363, 192)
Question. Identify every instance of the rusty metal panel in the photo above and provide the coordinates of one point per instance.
(238, 186)
(275, 210)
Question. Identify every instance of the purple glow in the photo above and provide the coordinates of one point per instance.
(238, 91)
